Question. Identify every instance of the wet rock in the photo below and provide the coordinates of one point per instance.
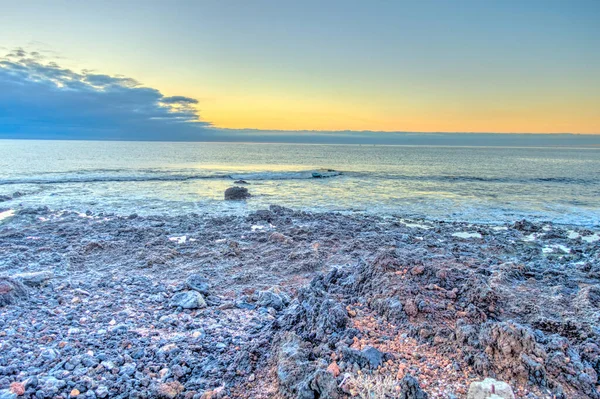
(526, 226)
(11, 291)
(198, 283)
(188, 300)
(240, 182)
(488, 387)
(236, 193)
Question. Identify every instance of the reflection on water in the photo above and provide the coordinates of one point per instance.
(477, 184)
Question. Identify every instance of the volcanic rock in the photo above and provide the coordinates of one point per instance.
(11, 291)
(488, 387)
(188, 300)
(236, 193)
(198, 283)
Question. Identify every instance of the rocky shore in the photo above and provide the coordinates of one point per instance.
(288, 304)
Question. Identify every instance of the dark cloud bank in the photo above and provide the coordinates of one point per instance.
(41, 100)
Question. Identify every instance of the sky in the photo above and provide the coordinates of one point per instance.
(179, 69)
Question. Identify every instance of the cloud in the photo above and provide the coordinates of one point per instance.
(41, 99)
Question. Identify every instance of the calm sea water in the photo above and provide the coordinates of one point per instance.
(477, 184)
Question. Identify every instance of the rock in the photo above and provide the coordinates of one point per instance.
(334, 369)
(369, 357)
(293, 367)
(169, 390)
(410, 389)
(489, 388)
(373, 356)
(236, 193)
(240, 182)
(198, 283)
(118, 329)
(188, 300)
(11, 291)
(35, 279)
(510, 349)
(7, 394)
(278, 237)
(324, 385)
(102, 391)
(269, 299)
(17, 388)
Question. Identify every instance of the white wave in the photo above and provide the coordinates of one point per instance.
(556, 247)
(6, 214)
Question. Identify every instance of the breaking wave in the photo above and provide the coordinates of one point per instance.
(98, 176)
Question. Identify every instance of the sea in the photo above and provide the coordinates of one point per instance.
(476, 184)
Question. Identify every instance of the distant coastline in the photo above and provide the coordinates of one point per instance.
(458, 139)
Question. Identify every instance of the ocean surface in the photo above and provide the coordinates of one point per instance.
(475, 184)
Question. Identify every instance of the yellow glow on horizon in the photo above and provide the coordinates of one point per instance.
(288, 114)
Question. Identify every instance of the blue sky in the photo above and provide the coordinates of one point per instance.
(476, 66)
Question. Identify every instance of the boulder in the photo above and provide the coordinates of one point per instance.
(270, 299)
(188, 300)
(198, 283)
(369, 357)
(490, 388)
(240, 182)
(410, 389)
(11, 291)
(236, 193)
(294, 369)
(34, 279)
(298, 377)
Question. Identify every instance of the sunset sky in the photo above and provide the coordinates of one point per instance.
(420, 66)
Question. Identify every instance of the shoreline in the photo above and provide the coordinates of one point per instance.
(292, 299)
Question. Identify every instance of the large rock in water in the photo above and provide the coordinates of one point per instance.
(236, 193)
(490, 388)
(11, 291)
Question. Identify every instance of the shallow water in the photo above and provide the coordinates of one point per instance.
(477, 184)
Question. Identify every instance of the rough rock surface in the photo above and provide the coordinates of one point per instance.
(11, 291)
(188, 300)
(34, 279)
(198, 283)
(488, 387)
(410, 389)
(342, 296)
